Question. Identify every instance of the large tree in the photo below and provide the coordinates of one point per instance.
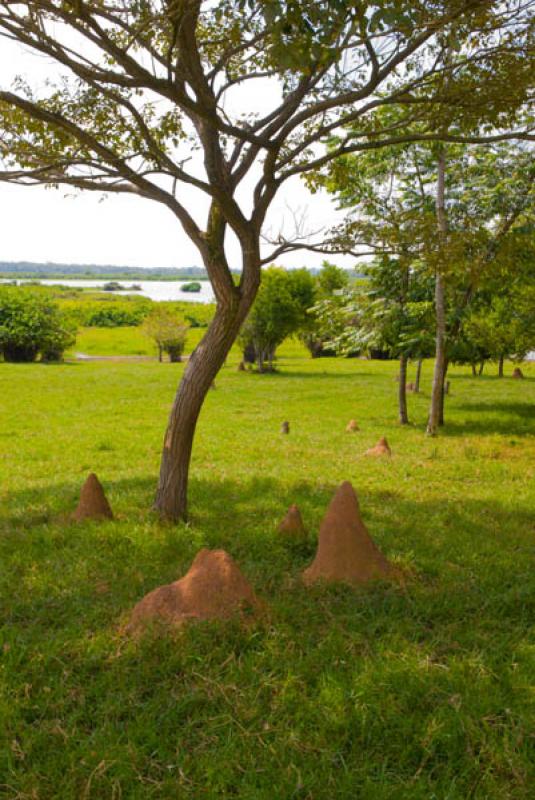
(144, 99)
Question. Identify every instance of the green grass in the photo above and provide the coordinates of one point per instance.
(417, 693)
(127, 341)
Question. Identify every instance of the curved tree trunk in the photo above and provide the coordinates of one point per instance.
(418, 376)
(402, 391)
(201, 369)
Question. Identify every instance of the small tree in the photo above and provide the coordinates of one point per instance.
(278, 311)
(331, 283)
(168, 330)
(31, 325)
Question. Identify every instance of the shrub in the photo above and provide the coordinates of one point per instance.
(31, 324)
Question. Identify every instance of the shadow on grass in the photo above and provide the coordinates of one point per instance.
(242, 517)
(523, 409)
(285, 371)
(491, 420)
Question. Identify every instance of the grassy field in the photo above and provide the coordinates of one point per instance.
(416, 693)
(127, 341)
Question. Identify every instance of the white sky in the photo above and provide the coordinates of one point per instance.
(39, 224)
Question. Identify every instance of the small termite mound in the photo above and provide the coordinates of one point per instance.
(213, 588)
(292, 527)
(241, 367)
(285, 427)
(352, 425)
(346, 552)
(382, 448)
(517, 373)
(93, 503)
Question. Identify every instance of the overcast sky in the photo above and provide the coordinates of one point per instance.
(41, 224)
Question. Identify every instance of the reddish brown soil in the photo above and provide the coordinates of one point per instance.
(517, 373)
(352, 425)
(292, 524)
(213, 588)
(410, 387)
(93, 503)
(346, 551)
(382, 448)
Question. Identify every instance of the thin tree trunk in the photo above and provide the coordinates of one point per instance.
(402, 391)
(440, 309)
(500, 366)
(481, 367)
(441, 414)
(201, 369)
(418, 375)
(160, 354)
(474, 373)
(260, 360)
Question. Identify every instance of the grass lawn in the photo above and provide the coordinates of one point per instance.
(127, 341)
(339, 694)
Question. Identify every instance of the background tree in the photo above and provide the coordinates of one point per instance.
(167, 330)
(145, 85)
(502, 327)
(278, 311)
(480, 199)
(331, 282)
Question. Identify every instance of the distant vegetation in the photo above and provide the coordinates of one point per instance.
(194, 286)
(30, 269)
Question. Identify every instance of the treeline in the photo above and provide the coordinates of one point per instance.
(30, 269)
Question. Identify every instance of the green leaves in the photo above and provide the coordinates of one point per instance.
(31, 325)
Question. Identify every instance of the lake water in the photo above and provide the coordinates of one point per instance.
(155, 290)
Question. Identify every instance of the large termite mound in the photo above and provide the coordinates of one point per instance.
(213, 588)
(346, 551)
(517, 373)
(291, 527)
(352, 425)
(93, 503)
(382, 448)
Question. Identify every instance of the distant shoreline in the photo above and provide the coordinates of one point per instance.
(30, 270)
(89, 276)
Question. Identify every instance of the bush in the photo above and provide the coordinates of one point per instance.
(32, 325)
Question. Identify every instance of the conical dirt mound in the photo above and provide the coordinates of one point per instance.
(213, 588)
(93, 503)
(346, 551)
(382, 448)
(352, 425)
(292, 524)
(517, 373)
